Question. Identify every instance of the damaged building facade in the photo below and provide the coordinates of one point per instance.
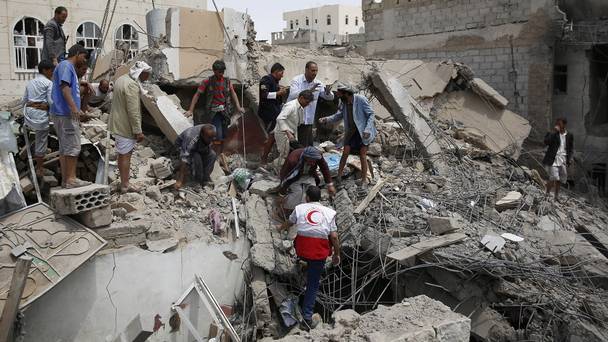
(546, 57)
(21, 27)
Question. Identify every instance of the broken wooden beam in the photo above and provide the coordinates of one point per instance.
(405, 255)
(370, 197)
(11, 306)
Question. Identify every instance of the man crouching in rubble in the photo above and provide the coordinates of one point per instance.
(558, 156)
(301, 162)
(125, 119)
(316, 236)
(359, 126)
(196, 154)
(66, 114)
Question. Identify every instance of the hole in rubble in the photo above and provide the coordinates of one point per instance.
(79, 207)
(78, 197)
(96, 193)
(86, 195)
(517, 315)
(352, 285)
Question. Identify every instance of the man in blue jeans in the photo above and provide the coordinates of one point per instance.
(316, 237)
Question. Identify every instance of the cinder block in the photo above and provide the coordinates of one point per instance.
(74, 201)
(96, 218)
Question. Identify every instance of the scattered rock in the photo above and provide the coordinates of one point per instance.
(162, 246)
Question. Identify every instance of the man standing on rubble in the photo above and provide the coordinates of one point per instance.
(288, 121)
(558, 156)
(300, 172)
(66, 114)
(359, 126)
(125, 118)
(53, 46)
(316, 237)
(308, 81)
(218, 94)
(195, 153)
(37, 101)
(271, 99)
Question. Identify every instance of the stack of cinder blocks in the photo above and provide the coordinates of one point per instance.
(90, 204)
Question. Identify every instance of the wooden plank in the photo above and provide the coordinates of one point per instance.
(370, 197)
(409, 252)
(11, 306)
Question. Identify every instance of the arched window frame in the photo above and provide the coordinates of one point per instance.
(132, 39)
(92, 40)
(27, 43)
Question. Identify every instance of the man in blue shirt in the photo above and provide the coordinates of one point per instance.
(65, 114)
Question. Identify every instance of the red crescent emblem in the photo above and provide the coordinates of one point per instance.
(309, 217)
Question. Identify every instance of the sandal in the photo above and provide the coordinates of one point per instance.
(76, 183)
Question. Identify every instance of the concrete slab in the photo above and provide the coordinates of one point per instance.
(510, 201)
(405, 255)
(442, 225)
(168, 116)
(96, 218)
(414, 119)
(487, 92)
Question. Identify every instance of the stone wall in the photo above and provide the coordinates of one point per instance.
(508, 43)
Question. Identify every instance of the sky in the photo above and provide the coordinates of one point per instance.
(268, 14)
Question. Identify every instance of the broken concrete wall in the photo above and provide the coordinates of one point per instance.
(121, 284)
(166, 111)
(509, 46)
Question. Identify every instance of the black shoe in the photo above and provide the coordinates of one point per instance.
(306, 324)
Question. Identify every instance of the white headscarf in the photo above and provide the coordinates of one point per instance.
(138, 68)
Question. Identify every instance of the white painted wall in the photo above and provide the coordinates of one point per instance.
(338, 23)
(12, 83)
(144, 283)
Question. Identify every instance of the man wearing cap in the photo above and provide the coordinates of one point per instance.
(359, 126)
(66, 114)
(308, 81)
(125, 118)
(299, 172)
(218, 94)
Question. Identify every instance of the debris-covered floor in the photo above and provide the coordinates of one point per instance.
(453, 240)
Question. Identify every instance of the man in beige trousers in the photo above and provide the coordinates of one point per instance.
(125, 118)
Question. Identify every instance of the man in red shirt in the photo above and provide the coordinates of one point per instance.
(316, 240)
(218, 94)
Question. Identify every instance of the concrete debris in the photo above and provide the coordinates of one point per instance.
(442, 225)
(166, 112)
(489, 325)
(162, 246)
(162, 168)
(405, 110)
(406, 255)
(96, 218)
(262, 187)
(484, 90)
(510, 201)
(415, 319)
(493, 242)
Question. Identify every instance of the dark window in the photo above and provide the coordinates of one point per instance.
(356, 21)
(291, 24)
(346, 20)
(560, 79)
(328, 19)
(307, 21)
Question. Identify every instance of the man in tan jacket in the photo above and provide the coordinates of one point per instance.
(125, 118)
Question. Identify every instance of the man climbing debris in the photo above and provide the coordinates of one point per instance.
(300, 172)
(218, 94)
(316, 240)
(196, 155)
(558, 156)
(359, 126)
(125, 119)
(37, 101)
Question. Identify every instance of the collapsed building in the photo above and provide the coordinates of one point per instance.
(454, 240)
